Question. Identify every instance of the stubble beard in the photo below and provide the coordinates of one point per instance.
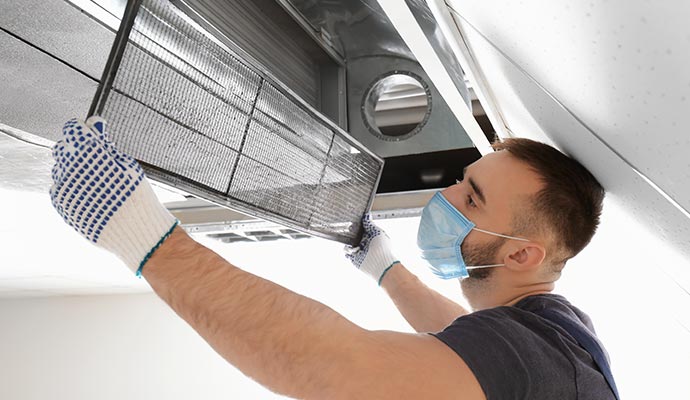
(479, 280)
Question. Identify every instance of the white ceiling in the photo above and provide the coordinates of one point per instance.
(608, 82)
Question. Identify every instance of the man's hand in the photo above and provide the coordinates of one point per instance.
(103, 194)
(373, 256)
(425, 309)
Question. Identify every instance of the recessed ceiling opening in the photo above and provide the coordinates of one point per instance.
(396, 106)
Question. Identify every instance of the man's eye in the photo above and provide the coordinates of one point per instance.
(470, 202)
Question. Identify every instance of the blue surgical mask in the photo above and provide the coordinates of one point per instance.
(442, 230)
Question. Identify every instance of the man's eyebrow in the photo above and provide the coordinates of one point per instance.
(475, 187)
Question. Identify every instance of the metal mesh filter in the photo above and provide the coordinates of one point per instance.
(201, 118)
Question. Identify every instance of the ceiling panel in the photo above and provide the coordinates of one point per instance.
(621, 67)
(43, 92)
(531, 112)
(61, 30)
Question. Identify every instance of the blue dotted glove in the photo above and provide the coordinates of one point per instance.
(102, 193)
(373, 255)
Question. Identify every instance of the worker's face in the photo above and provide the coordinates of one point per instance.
(493, 189)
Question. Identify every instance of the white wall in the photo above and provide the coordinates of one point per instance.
(134, 347)
(109, 347)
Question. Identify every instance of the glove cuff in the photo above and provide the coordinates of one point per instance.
(138, 228)
(379, 259)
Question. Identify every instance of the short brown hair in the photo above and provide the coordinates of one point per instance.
(569, 204)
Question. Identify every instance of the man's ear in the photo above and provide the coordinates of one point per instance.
(525, 256)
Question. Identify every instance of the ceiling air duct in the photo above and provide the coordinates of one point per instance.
(202, 118)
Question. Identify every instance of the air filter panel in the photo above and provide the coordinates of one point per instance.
(206, 119)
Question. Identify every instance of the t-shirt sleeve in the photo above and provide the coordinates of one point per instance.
(510, 354)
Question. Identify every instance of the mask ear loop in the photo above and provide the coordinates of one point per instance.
(500, 235)
(495, 234)
(484, 266)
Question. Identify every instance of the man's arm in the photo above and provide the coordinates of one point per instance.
(289, 343)
(294, 345)
(425, 309)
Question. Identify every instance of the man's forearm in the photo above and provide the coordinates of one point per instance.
(289, 343)
(424, 308)
(281, 339)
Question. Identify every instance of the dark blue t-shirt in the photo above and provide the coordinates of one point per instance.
(516, 354)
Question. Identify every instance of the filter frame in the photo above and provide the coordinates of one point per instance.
(105, 87)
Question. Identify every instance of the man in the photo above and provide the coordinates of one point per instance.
(531, 208)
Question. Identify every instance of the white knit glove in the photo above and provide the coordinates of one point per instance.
(373, 255)
(103, 194)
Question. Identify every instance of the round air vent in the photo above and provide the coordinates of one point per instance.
(396, 106)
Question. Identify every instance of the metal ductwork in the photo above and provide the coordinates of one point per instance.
(344, 60)
(393, 108)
